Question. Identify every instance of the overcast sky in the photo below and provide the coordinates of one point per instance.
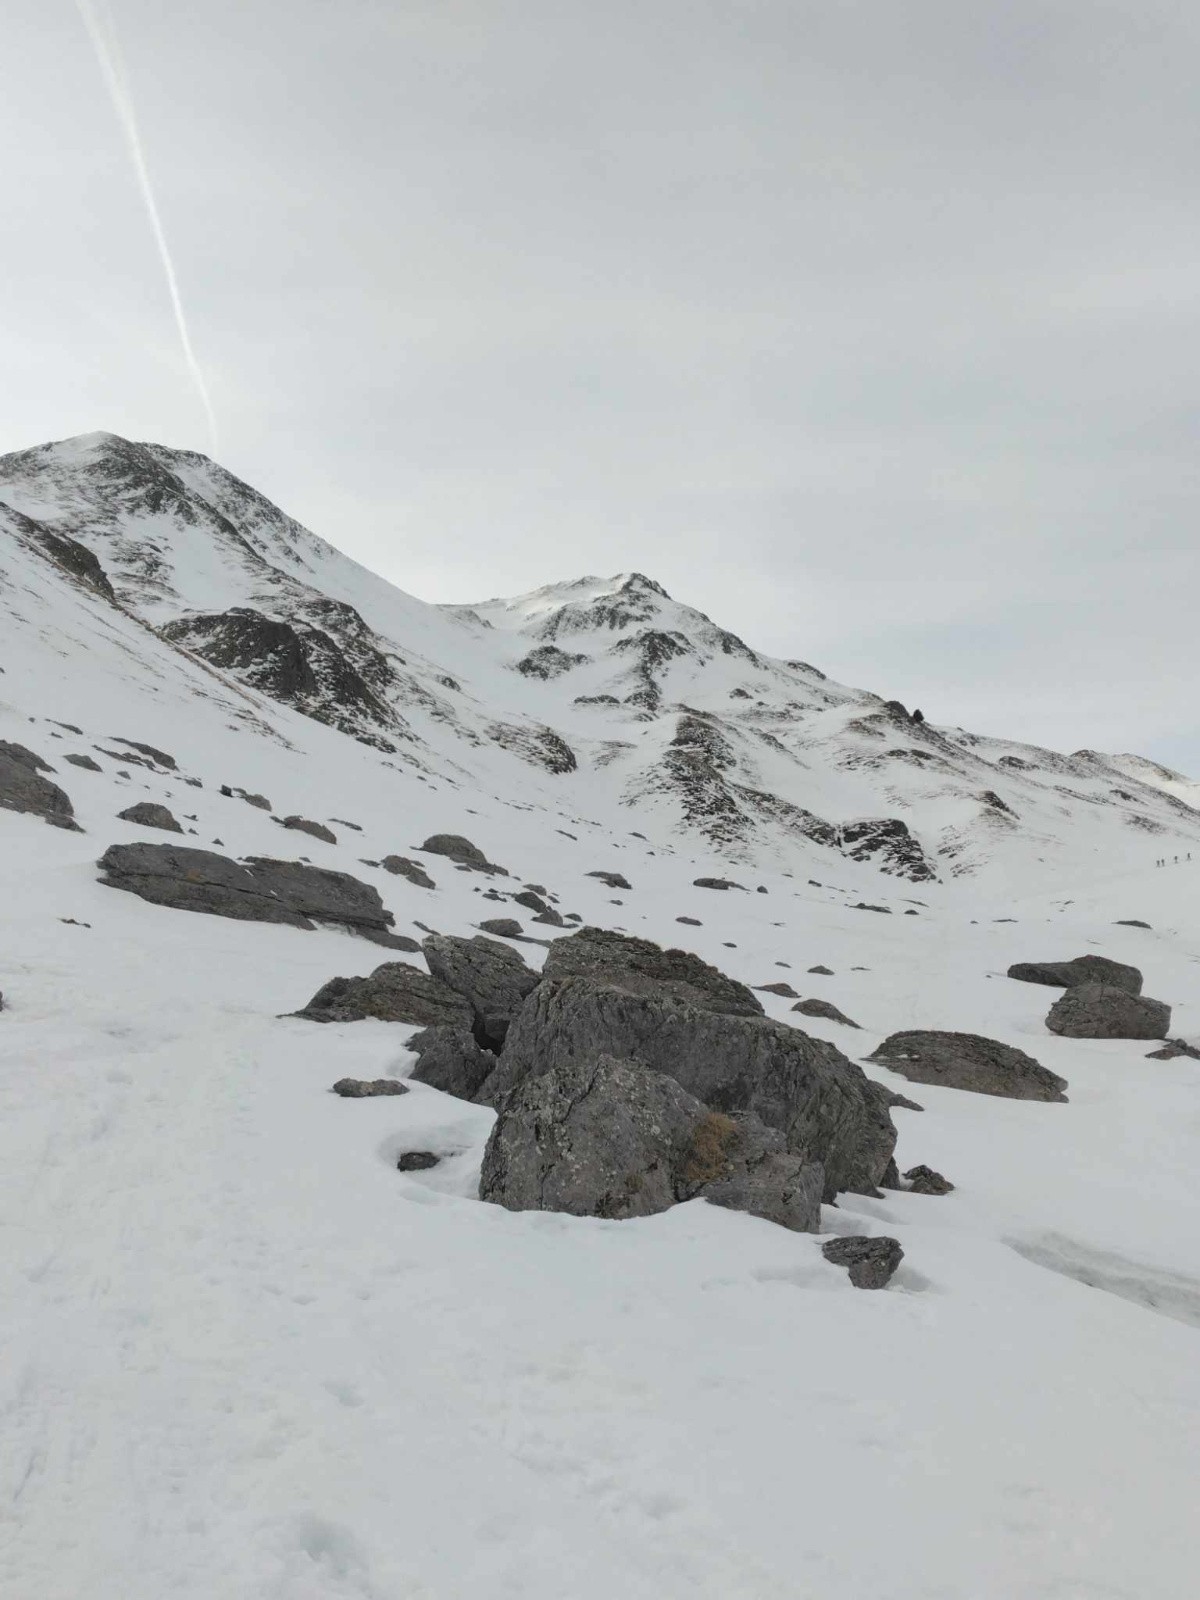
(869, 328)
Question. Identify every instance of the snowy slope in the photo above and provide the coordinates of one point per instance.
(242, 1356)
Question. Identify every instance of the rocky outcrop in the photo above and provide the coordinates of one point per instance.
(394, 992)
(547, 661)
(450, 1059)
(490, 976)
(1082, 970)
(318, 830)
(1100, 1011)
(825, 1009)
(824, 1105)
(258, 890)
(641, 967)
(152, 753)
(150, 815)
(413, 871)
(23, 788)
(968, 1061)
(460, 850)
(871, 1263)
(608, 1138)
(886, 843)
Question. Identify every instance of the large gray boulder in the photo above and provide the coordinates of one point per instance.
(608, 1138)
(1083, 969)
(489, 975)
(826, 1107)
(394, 992)
(149, 814)
(258, 890)
(450, 1059)
(968, 1061)
(22, 788)
(1097, 1011)
(640, 967)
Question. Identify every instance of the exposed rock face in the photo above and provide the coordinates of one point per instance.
(1084, 969)
(367, 1088)
(150, 815)
(318, 830)
(1100, 1011)
(75, 559)
(924, 1180)
(548, 661)
(450, 1059)
(640, 967)
(825, 1106)
(889, 844)
(490, 976)
(540, 746)
(461, 850)
(394, 992)
(870, 1262)
(402, 867)
(22, 788)
(823, 1008)
(614, 880)
(261, 890)
(969, 1061)
(608, 1138)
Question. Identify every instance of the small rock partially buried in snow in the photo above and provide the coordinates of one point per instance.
(968, 1061)
(148, 814)
(368, 1088)
(870, 1262)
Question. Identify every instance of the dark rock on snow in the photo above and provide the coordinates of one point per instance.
(160, 758)
(924, 1180)
(785, 990)
(394, 992)
(22, 788)
(368, 1088)
(551, 917)
(614, 880)
(490, 976)
(450, 1059)
(1172, 1049)
(871, 1262)
(692, 922)
(461, 850)
(502, 927)
(716, 883)
(418, 1161)
(259, 801)
(641, 967)
(1121, 922)
(968, 1061)
(531, 899)
(318, 830)
(85, 762)
(823, 972)
(1098, 1011)
(150, 815)
(823, 1008)
(1084, 969)
(402, 867)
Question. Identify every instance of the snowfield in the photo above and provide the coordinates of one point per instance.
(243, 1357)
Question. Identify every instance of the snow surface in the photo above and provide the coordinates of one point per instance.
(242, 1356)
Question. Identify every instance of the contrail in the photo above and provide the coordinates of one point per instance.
(104, 39)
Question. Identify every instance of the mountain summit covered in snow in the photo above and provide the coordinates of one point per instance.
(602, 692)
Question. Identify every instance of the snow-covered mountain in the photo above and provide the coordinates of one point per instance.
(605, 692)
(261, 1342)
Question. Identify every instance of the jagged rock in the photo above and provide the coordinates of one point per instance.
(1082, 970)
(150, 815)
(259, 890)
(871, 1262)
(22, 788)
(1100, 1011)
(968, 1061)
(886, 842)
(160, 758)
(783, 989)
(367, 1088)
(75, 559)
(460, 850)
(402, 867)
(614, 880)
(716, 883)
(824, 972)
(418, 1161)
(924, 1180)
(542, 747)
(394, 992)
(502, 927)
(1121, 922)
(608, 1138)
(826, 1107)
(490, 976)
(318, 830)
(548, 661)
(823, 1008)
(1172, 1049)
(259, 801)
(531, 900)
(450, 1059)
(640, 967)
(85, 762)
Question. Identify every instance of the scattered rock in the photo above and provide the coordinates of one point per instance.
(692, 922)
(394, 992)
(531, 899)
(502, 927)
(863, 906)
(924, 1180)
(353, 826)
(259, 801)
(716, 883)
(968, 1061)
(150, 815)
(870, 1262)
(828, 1110)
(552, 917)
(823, 972)
(1172, 1049)
(326, 896)
(318, 830)
(402, 867)
(1121, 922)
(160, 758)
(22, 788)
(614, 880)
(1083, 970)
(449, 1059)
(85, 762)
(418, 1161)
(461, 850)
(490, 976)
(825, 1009)
(784, 989)
(1099, 1011)
(640, 967)
(367, 1088)
(607, 1138)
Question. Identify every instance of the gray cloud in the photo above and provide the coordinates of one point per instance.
(870, 329)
